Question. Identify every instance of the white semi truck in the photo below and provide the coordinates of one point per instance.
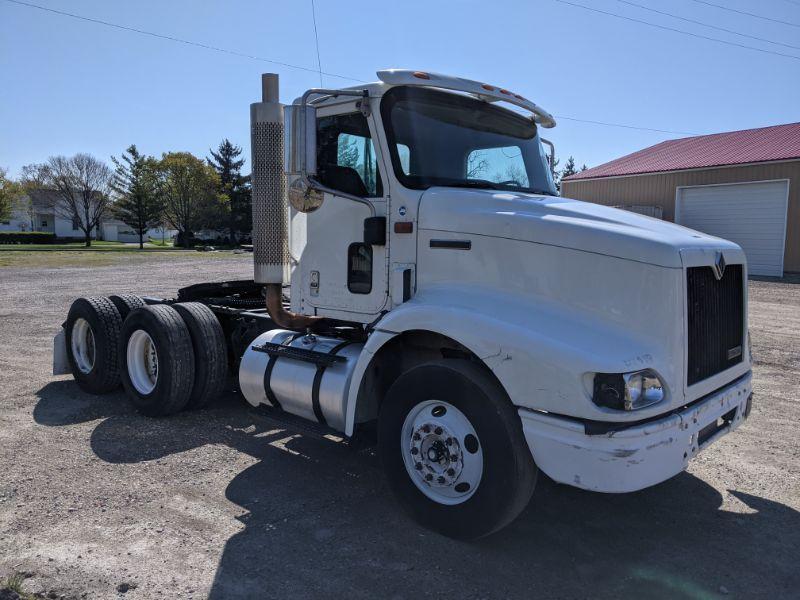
(415, 270)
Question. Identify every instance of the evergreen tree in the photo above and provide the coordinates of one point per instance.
(226, 162)
(569, 168)
(136, 184)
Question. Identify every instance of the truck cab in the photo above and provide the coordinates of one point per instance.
(439, 288)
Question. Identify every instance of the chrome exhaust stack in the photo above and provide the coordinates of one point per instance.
(270, 212)
(270, 207)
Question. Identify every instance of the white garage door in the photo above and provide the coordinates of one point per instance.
(752, 215)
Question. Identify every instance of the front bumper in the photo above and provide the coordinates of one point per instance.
(635, 457)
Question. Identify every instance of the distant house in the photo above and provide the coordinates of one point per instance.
(37, 212)
(741, 185)
(114, 230)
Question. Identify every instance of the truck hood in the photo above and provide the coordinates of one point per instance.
(562, 222)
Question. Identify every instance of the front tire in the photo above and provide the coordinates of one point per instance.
(157, 360)
(453, 449)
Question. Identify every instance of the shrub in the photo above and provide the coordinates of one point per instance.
(27, 237)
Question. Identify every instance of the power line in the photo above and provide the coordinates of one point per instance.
(749, 14)
(752, 37)
(681, 31)
(180, 40)
(626, 126)
(316, 39)
(291, 66)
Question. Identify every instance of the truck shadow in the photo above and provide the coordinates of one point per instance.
(320, 521)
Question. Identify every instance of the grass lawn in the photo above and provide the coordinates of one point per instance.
(71, 258)
(97, 246)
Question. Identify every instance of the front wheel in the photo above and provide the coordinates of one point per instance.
(453, 449)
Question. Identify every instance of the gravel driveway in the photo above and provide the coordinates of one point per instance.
(98, 502)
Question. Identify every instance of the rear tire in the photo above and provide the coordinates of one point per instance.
(210, 352)
(127, 303)
(157, 360)
(453, 450)
(92, 334)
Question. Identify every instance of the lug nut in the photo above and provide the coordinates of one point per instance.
(429, 477)
(418, 466)
(414, 451)
(426, 428)
(451, 472)
(416, 437)
(438, 431)
(441, 479)
(449, 441)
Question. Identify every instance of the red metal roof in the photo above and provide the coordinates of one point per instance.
(779, 142)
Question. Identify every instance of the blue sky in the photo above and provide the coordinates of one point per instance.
(70, 86)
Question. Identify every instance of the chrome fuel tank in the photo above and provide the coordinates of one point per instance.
(300, 382)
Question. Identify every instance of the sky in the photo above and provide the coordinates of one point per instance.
(68, 85)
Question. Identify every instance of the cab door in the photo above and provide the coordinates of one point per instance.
(341, 276)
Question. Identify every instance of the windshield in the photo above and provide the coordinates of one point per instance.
(437, 138)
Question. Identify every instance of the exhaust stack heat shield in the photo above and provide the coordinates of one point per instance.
(270, 212)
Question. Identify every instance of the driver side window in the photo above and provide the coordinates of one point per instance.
(498, 165)
(346, 158)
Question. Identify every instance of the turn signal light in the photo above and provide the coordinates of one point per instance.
(421, 75)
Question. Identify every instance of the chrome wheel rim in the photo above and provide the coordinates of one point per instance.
(142, 362)
(83, 347)
(441, 452)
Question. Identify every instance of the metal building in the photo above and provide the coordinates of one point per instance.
(742, 185)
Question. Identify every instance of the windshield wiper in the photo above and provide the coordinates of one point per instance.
(539, 192)
(473, 183)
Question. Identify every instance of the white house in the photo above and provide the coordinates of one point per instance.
(37, 213)
(114, 230)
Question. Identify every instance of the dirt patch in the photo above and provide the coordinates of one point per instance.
(230, 503)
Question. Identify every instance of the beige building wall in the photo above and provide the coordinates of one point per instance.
(660, 189)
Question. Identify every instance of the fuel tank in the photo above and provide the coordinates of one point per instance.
(303, 374)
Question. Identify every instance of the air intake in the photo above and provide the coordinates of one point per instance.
(270, 244)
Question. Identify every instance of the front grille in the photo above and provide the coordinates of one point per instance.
(716, 321)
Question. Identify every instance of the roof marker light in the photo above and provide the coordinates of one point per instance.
(486, 86)
(506, 92)
(421, 75)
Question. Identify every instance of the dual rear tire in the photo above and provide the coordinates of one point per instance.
(167, 357)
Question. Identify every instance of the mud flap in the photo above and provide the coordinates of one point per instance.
(60, 361)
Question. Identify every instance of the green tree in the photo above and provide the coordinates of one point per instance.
(137, 187)
(569, 168)
(191, 195)
(227, 163)
(9, 190)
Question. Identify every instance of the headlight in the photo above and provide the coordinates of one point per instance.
(628, 391)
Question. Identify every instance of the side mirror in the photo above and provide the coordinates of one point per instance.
(300, 140)
(303, 197)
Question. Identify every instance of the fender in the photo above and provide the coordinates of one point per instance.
(543, 354)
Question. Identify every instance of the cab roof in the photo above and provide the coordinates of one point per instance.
(484, 91)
